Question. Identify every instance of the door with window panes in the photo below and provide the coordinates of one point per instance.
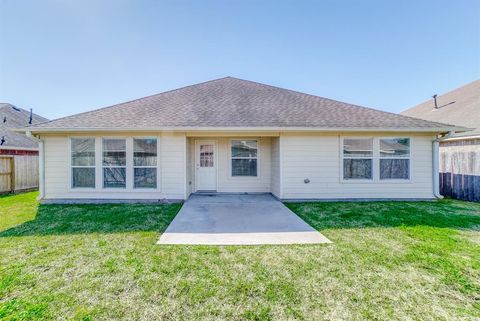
(206, 178)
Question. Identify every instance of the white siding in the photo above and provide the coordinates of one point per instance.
(275, 170)
(317, 157)
(189, 166)
(173, 166)
(57, 181)
(171, 179)
(227, 183)
(284, 163)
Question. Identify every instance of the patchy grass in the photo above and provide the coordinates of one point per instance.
(389, 261)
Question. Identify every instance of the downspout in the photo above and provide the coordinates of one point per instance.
(435, 168)
(41, 168)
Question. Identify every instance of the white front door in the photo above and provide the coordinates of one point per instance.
(205, 163)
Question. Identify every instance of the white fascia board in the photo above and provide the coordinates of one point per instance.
(241, 129)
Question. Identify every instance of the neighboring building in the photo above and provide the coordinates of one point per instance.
(14, 143)
(238, 136)
(18, 153)
(460, 153)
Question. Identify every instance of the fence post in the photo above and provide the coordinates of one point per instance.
(12, 174)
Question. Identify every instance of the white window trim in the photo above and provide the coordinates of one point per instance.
(393, 180)
(230, 169)
(128, 141)
(196, 159)
(157, 183)
(99, 166)
(372, 157)
(376, 162)
(71, 166)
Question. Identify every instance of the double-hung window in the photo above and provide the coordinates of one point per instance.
(114, 163)
(244, 158)
(83, 162)
(394, 158)
(145, 162)
(357, 158)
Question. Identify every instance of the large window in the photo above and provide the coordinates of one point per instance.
(394, 158)
(376, 158)
(83, 162)
(357, 158)
(244, 157)
(145, 162)
(114, 163)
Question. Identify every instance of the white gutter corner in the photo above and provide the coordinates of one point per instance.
(435, 169)
(41, 168)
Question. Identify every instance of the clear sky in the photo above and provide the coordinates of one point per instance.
(64, 57)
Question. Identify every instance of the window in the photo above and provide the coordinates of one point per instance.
(207, 157)
(145, 163)
(357, 158)
(83, 162)
(394, 158)
(114, 163)
(244, 157)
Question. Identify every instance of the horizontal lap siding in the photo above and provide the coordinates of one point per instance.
(317, 158)
(56, 166)
(170, 180)
(227, 183)
(189, 169)
(173, 166)
(275, 170)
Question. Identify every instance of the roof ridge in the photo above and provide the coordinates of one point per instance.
(6, 105)
(334, 100)
(182, 108)
(130, 101)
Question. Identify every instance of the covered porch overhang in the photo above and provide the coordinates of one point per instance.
(232, 162)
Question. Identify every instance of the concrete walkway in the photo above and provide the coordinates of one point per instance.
(238, 220)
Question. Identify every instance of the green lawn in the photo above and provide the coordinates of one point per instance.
(389, 261)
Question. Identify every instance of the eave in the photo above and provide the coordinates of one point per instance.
(439, 130)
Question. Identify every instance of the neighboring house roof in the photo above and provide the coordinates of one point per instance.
(14, 117)
(229, 103)
(460, 106)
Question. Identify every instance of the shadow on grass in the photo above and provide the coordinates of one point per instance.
(344, 215)
(94, 218)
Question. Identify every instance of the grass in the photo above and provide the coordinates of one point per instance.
(389, 261)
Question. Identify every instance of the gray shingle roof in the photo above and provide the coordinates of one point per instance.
(14, 118)
(460, 106)
(231, 102)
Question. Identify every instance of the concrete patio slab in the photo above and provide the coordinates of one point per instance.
(223, 219)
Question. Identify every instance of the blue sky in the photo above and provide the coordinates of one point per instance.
(64, 57)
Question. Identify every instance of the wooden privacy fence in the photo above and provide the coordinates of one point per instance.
(460, 169)
(460, 186)
(18, 172)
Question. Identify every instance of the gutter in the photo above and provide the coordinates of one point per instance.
(435, 169)
(41, 168)
(450, 139)
(242, 129)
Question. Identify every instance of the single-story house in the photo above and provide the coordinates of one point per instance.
(459, 152)
(237, 136)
